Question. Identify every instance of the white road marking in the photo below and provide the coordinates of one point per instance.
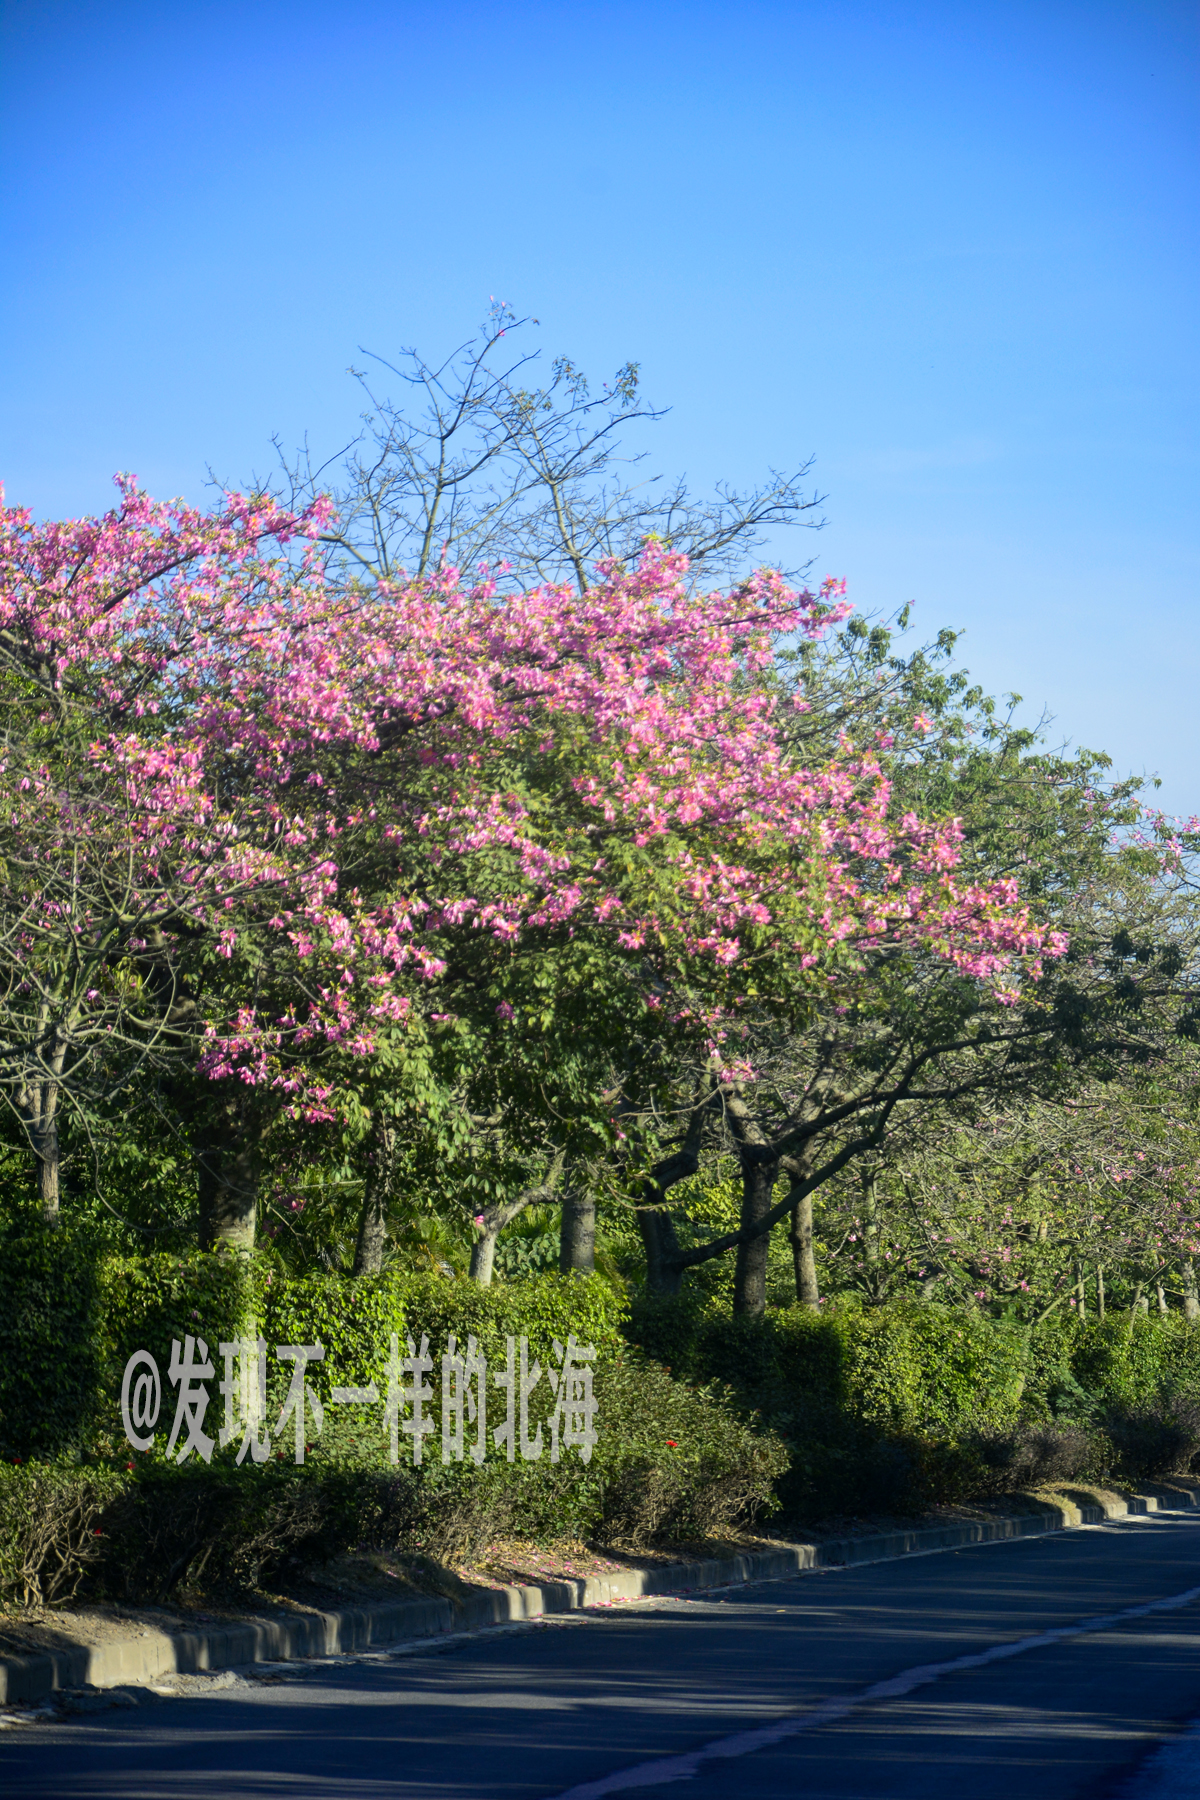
(662, 1770)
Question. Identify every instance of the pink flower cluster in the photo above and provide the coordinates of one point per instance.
(551, 763)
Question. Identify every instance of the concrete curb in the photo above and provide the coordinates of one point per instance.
(141, 1661)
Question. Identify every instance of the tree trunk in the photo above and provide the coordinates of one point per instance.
(228, 1179)
(803, 1255)
(1080, 1290)
(664, 1265)
(871, 1233)
(491, 1222)
(46, 1149)
(661, 1244)
(1191, 1299)
(760, 1171)
(37, 1103)
(483, 1256)
(1162, 1298)
(1100, 1292)
(377, 1190)
(577, 1243)
(750, 1273)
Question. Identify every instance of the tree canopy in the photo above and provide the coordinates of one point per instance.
(571, 877)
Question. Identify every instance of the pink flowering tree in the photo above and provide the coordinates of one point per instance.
(596, 781)
(294, 830)
(111, 847)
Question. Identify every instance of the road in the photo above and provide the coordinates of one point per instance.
(1070, 1658)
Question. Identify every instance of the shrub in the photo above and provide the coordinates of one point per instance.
(354, 1318)
(52, 1330)
(227, 1527)
(1031, 1454)
(969, 1371)
(878, 1406)
(50, 1531)
(670, 1464)
(1155, 1438)
(897, 1407)
(675, 1462)
(71, 1316)
(1136, 1359)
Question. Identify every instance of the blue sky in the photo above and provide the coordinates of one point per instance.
(948, 249)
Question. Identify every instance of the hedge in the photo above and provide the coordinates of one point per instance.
(53, 1310)
(893, 1408)
(852, 1409)
(671, 1464)
(354, 1319)
(71, 1316)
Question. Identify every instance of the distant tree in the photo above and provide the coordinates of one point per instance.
(1086, 1201)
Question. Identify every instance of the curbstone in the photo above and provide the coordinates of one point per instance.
(141, 1660)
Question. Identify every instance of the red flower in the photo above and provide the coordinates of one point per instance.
(671, 1444)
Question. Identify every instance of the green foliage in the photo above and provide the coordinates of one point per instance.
(150, 1300)
(1158, 1437)
(71, 1315)
(528, 1247)
(708, 1422)
(894, 1407)
(223, 1526)
(1051, 1390)
(675, 1462)
(897, 1368)
(355, 1318)
(968, 1370)
(52, 1330)
(1135, 1359)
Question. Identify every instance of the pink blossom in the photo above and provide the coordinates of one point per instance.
(710, 827)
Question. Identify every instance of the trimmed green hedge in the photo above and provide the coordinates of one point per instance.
(896, 1407)
(71, 1316)
(850, 1410)
(53, 1311)
(902, 1367)
(354, 1318)
(1134, 1360)
(671, 1464)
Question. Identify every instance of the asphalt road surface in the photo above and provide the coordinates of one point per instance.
(1034, 1670)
